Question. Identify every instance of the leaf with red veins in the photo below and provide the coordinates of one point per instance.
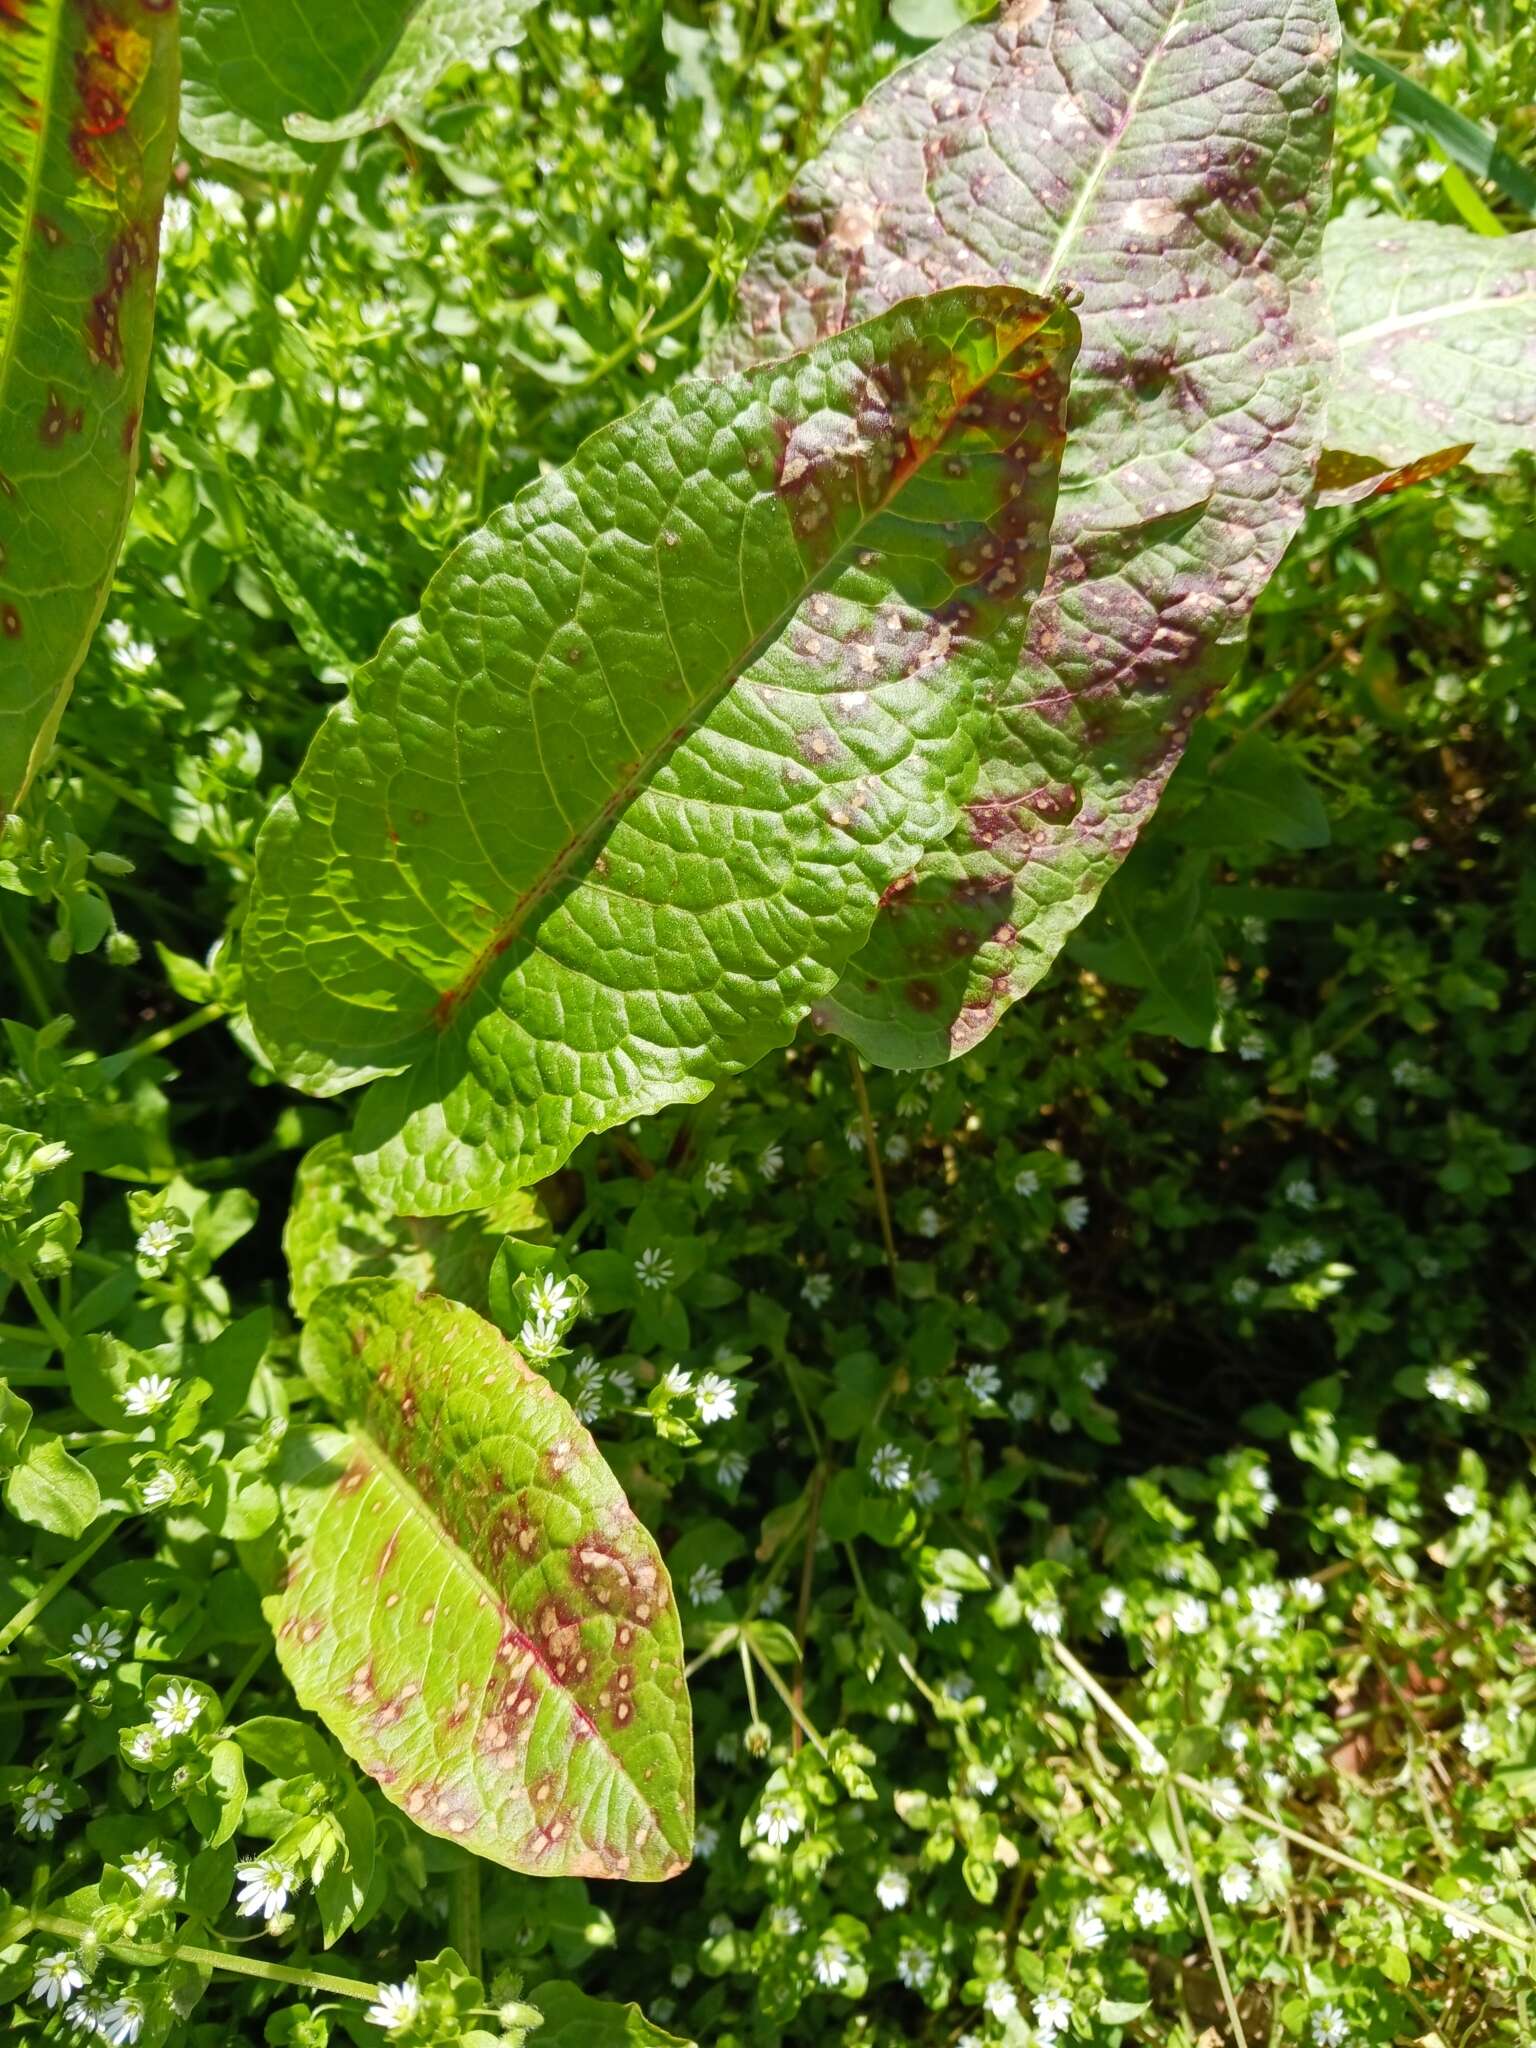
(471, 1605)
(1167, 159)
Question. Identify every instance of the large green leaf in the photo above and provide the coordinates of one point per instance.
(606, 820)
(87, 129)
(574, 2019)
(1437, 352)
(263, 73)
(1169, 160)
(335, 1233)
(472, 1608)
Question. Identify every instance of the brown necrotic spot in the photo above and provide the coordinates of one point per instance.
(58, 420)
(10, 621)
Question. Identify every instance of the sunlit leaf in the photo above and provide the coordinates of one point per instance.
(600, 825)
(574, 2019)
(1169, 161)
(261, 76)
(472, 1608)
(87, 130)
(1437, 352)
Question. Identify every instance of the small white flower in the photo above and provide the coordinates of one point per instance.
(817, 1290)
(929, 1221)
(143, 1744)
(654, 1269)
(395, 2007)
(264, 1887)
(585, 1392)
(1045, 1616)
(772, 1601)
(770, 1162)
(830, 1962)
(1244, 1289)
(784, 1920)
(1224, 1798)
(1476, 1737)
(677, 1380)
(1272, 1858)
(776, 1821)
(1094, 1374)
(156, 1246)
(151, 1872)
(717, 1179)
(1462, 1501)
(539, 1338)
(1441, 1383)
(890, 1467)
(1191, 1615)
(983, 1383)
(1324, 1066)
(705, 1585)
(926, 1488)
(1236, 1884)
(149, 1394)
(914, 1965)
(622, 1386)
(1053, 2014)
(1026, 1182)
(1111, 1607)
(1307, 1593)
(57, 1977)
(159, 1488)
(86, 2013)
(95, 1645)
(853, 1135)
(42, 1810)
(1301, 1194)
(1074, 1211)
(1022, 1404)
(551, 1297)
(981, 1779)
(1088, 1929)
(706, 1840)
(716, 1398)
(1437, 55)
(1460, 1920)
(1386, 1532)
(893, 1889)
(1251, 1046)
(898, 1147)
(122, 2023)
(1150, 1905)
(731, 1470)
(1330, 2029)
(941, 1604)
(177, 1708)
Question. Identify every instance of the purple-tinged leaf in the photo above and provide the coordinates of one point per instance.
(1169, 160)
(472, 1607)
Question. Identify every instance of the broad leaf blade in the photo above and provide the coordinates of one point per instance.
(473, 1609)
(335, 1233)
(87, 129)
(1171, 164)
(605, 821)
(1437, 352)
(261, 76)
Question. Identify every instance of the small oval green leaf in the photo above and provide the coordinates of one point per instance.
(472, 1608)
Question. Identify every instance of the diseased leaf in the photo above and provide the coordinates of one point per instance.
(1437, 352)
(1169, 160)
(473, 1609)
(335, 1233)
(261, 77)
(601, 825)
(87, 130)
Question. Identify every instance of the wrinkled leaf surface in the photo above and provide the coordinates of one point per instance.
(473, 1609)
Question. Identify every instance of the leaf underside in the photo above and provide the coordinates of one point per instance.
(1437, 352)
(1169, 159)
(602, 824)
(472, 1607)
(268, 82)
(87, 130)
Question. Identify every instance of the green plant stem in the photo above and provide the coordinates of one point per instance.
(464, 1915)
(28, 979)
(797, 1714)
(1156, 1765)
(1176, 1810)
(24, 1617)
(80, 764)
(37, 1301)
(876, 1170)
(21, 1333)
(244, 1675)
(170, 1034)
(154, 1952)
(316, 185)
